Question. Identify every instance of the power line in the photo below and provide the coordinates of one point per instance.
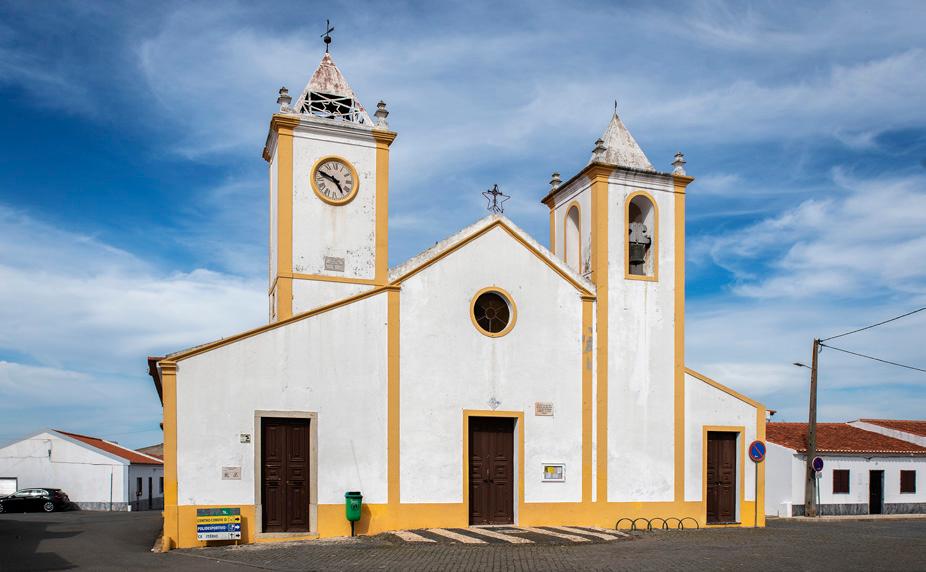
(874, 358)
(872, 326)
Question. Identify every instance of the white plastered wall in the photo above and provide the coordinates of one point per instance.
(779, 462)
(706, 405)
(84, 474)
(333, 364)
(154, 472)
(641, 353)
(447, 366)
(319, 229)
(311, 294)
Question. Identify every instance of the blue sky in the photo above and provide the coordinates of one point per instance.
(133, 216)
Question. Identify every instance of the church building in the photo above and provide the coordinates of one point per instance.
(488, 380)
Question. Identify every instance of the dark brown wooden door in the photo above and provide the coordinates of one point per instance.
(285, 474)
(491, 470)
(721, 476)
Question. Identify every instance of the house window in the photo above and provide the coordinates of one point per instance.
(641, 247)
(840, 481)
(908, 481)
(572, 239)
(492, 312)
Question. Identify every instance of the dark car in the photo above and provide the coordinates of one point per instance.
(28, 500)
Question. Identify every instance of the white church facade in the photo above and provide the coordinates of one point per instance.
(488, 380)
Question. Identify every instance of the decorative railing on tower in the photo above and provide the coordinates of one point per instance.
(330, 106)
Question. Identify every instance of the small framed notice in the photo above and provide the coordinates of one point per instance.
(543, 409)
(554, 472)
(231, 473)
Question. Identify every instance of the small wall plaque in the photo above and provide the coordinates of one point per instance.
(554, 472)
(231, 473)
(543, 409)
(245, 437)
(334, 264)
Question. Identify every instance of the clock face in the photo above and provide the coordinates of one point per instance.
(335, 181)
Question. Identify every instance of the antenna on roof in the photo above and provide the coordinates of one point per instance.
(327, 35)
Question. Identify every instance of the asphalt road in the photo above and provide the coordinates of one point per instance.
(122, 541)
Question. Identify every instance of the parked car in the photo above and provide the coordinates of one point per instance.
(28, 500)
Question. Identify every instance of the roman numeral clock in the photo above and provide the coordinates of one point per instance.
(334, 180)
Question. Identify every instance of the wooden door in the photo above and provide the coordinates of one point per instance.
(491, 470)
(285, 474)
(721, 476)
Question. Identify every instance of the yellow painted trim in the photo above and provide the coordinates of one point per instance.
(512, 311)
(599, 190)
(382, 212)
(741, 470)
(552, 231)
(393, 406)
(654, 249)
(172, 359)
(518, 416)
(171, 530)
(284, 293)
(587, 340)
(573, 205)
(350, 167)
(327, 278)
(383, 136)
(498, 223)
(724, 388)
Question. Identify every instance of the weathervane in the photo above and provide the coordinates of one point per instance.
(494, 204)
(327, 35)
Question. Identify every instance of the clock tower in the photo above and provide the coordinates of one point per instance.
(329, 193)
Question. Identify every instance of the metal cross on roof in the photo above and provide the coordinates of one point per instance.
(494, 205)
(326, 37)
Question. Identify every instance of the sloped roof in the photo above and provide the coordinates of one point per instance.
(621, 148)
(839, 438)
(916, 427)
(153, 450)
(398, 273)
(133, 457)
(329, 80)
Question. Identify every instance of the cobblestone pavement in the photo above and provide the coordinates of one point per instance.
(783, 545)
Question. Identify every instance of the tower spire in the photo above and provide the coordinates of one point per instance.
(329, 96)
(618, 147)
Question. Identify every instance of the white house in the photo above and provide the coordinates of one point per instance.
(864, 472)
(490, 379)
(95, 473)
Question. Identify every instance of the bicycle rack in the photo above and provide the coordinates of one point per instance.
(649, 524)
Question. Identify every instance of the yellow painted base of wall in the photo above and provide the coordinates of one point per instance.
(180, 522)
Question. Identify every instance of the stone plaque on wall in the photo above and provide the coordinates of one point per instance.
(543, 409)
(334, 263)
(231, 473)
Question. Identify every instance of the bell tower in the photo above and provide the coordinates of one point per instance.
(329, 195)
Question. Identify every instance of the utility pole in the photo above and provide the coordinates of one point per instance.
(810, 488)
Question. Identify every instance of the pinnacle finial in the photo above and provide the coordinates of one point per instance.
(284, 100)
(599, 151)
(381, 114)
(555, 181)
(679, 164)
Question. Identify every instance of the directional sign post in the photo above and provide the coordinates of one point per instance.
(757, 455)
(218, 524)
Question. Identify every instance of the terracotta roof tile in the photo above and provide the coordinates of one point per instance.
(839, 438)
(916, 427)
(134, 457)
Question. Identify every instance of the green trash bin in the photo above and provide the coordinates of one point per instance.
(353, 500)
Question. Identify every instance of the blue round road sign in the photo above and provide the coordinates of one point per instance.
(757, 451)
(817, 464)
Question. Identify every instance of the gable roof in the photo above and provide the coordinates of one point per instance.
(915, 427)
(133, 457)
(456, 241)
(839, 438)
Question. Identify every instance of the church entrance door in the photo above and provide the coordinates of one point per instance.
(721, 477)
(284, 474)
(491, 470)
